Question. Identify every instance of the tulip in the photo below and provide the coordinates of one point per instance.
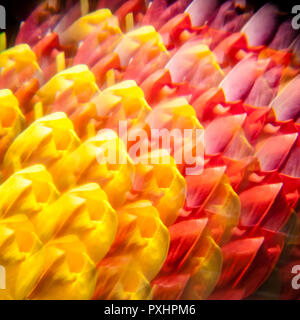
(101, 210)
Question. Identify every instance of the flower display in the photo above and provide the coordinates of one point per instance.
(150, 151)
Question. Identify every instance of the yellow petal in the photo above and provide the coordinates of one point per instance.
(223, 210)
(98, 20)
(44, 141)
(102, 159)
(161, 182)
(206, 271)
(135, 39)
(119, 278)
(27, 192)
(149, 241)
(60, 270)
(79, 79)
(134, 107)
(17, 242)
(85, 212)
(18, 57)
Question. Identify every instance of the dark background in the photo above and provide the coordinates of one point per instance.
(18, 10)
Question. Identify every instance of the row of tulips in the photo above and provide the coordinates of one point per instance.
(74, 228)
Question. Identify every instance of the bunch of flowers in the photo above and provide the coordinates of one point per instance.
(155, 223)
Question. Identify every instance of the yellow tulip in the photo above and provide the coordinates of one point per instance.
(99, 20)
(84, 212)
(102, 159)
(12, 120)
(44, 141)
